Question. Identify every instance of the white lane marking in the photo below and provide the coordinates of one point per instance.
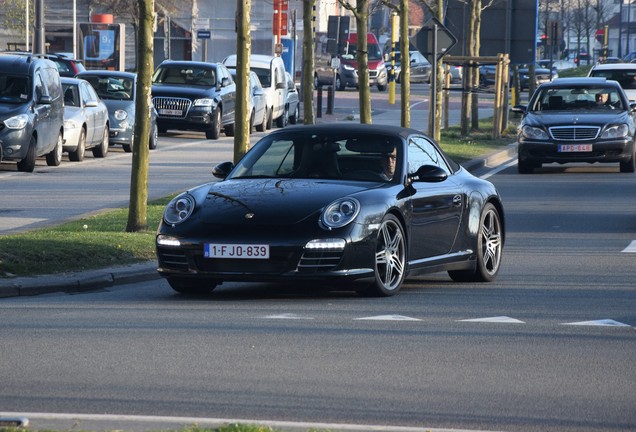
(631, 248)
(500, 168)
(603, 323)
(215, 422)
(387, 318)
(288, 316)
(499, 319)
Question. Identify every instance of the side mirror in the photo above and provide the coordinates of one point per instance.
(632, 106)
(45, 100)
(519, 109)
(225, 82)
(222, 170)
(429, 174)
(91, 104)
(280, 85)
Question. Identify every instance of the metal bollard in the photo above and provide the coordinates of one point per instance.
(319, 102)
(330, 99)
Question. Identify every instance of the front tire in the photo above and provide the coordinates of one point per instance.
(192, 286)
(390, 259)
(215, 131)
(102, 149)
(55, 157)
(78, 154)
(281, 121)
(154, 138)
(489, 249)
(28, 163)
(294, 118)
(628, 166)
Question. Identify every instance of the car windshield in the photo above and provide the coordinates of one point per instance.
(626, 78)
(319, 156)
(577, 98)
(109, 87)
(185, 75)
(14, 89)
(373, 51)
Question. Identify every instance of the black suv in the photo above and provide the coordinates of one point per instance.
(66, 66)
(31, 110)
(190, 95)
(577, 120)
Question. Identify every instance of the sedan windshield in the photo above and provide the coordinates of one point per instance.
(577, 98)
(186, 75)
(318, 156)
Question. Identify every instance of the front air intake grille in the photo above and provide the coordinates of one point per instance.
(574, 133)
(319, 261)
(172, 107)
(172, 259)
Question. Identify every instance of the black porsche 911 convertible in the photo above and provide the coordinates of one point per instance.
(350, 206)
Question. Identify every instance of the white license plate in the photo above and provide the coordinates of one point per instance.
(569, 148)
(236, 251)
(171, 112)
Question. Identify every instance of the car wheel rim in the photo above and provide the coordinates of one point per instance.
(390, 256)
(491, 241)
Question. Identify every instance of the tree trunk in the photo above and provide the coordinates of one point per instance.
(243, 50)
(405, 87)
(138, 205)
(309, 14)
(476, 19)
(362, 57)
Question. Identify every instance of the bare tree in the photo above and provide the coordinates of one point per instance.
(137, 210)
(15, 15)
(243, 50)
(309, 61)
(361, 15)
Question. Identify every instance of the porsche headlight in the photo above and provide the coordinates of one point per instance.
(340, 212)
(121, 115)
(534, 133)
(616, 131)
(17, 122)
(179, 209)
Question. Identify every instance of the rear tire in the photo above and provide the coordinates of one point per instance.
(55, 157)
(154, 138)
(263, 126)
(294, 118)
(28, 163)
(489, 249)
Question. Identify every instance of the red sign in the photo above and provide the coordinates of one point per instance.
(283, 23)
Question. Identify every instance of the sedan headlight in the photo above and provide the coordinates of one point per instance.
(340, 212)
(70, 124)
(121, 115)
(179, 209)
(207, 102)
(534, 133)
(616, 131)
(347, 67)
(17, 122)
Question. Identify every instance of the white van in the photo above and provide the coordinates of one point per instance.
(271, 72)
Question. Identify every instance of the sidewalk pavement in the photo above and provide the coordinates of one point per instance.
(100, 279)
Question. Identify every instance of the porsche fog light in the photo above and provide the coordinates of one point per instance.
(340, 212)
(534, 133)
(179, 209)
(168, 241)
(616, 131)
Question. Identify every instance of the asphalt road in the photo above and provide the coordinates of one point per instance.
(549, 346)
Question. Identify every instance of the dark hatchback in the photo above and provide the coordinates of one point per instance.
(191, 95)
(577, 120)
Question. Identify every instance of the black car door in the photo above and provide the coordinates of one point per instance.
(436, 206)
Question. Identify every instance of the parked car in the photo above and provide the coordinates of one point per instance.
(258, 104)
(355, 204)
(630, 57)
(31, 111)
(541, 75)
(577, 120)
(66, 65)
(85, 120)
(271, 73)
(191, 95)
(118, 92)
(293, 100)
(420, 68)
(347, 68)
(624, 73)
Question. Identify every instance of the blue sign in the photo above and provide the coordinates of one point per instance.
(203, 34)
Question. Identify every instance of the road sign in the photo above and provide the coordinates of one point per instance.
(424, 40)
(203, 34)
(283, 24)
(202, 23)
